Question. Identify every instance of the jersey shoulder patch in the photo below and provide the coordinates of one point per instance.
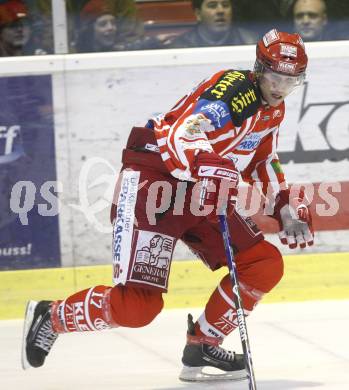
(238, 92)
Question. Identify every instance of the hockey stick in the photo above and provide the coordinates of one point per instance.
(235, 286)
(238, 302)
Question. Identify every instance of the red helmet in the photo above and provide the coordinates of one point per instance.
(282, 52)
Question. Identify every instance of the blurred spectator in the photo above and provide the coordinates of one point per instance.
(311, 21)
(14, 29)
(42, 27)
(129, 27)
(214, 27)
(100, 31)
(261, 16)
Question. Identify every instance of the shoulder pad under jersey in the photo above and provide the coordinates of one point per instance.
(239, 93)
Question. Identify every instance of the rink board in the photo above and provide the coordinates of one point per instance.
(98, 97)
(307, 277)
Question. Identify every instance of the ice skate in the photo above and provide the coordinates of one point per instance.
(38, 336)
(204, 360)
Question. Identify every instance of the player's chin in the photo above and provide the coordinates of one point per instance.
(275, 101)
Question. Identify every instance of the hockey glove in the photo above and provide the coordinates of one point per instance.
(294, 218)
(219, 181)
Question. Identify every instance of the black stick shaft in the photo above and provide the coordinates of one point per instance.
(238, 302)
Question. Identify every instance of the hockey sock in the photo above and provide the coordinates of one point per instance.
(260, 268)
(220, 315)
(86, 310)
(103, 307)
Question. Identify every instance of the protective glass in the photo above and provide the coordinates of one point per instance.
(283, 83)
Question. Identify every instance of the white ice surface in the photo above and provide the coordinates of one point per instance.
(295, 346)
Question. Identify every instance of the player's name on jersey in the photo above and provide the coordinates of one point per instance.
(243, 100)
(227, 80)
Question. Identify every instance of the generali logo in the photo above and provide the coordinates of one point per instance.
(321, 132)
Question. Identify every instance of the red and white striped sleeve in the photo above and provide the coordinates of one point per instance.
(265, 171)
(184, 131)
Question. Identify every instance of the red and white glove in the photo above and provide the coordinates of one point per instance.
(294, 218)
(219, 181)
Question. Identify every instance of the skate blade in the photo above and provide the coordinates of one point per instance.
(28, 319)
(207, 374)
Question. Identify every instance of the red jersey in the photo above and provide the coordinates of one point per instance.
(224, 114)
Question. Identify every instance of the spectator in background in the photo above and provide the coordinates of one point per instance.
(15, 30)
(99, 31)
(311, 21)
(130, 28)
(214, 27)
(42, 29)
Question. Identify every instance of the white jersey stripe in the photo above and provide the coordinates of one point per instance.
(273, 180)
(176, 131)
(165, 156)
(182, 175)
(171, 146)
(179, 146)
(223, 137)
(238, 138)
(162, 141)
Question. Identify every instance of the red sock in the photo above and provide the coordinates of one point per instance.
(259, 269)
(86, 310)
(103, 307)
(220, 315)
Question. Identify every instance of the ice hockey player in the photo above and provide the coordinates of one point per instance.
(226, 128)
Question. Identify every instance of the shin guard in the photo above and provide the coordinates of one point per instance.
(220, 316)
(86, 310)
(260, 268)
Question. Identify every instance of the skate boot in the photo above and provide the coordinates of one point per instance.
(204, 360)
(38, 336)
